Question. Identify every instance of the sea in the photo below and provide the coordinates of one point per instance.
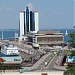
(9, 34)
(66, 36)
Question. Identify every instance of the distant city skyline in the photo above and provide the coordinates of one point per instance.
(53, 14)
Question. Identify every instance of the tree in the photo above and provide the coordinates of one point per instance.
(70, 71)
(72, 53)
(72, 40)
(1, 66)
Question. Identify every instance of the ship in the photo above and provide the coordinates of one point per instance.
(10, 56)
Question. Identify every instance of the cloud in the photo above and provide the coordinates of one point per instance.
(30, 5)
(2, 9)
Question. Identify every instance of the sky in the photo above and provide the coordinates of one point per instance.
(53, 14)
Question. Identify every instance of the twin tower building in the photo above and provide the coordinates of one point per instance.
(28, 22)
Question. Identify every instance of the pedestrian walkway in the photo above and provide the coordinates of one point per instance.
(62, 68)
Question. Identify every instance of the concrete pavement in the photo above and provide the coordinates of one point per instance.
(34, 73)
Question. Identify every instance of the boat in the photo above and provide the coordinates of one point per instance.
(9, 50)
(10, 56)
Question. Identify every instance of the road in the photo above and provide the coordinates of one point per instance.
(52, 63)
(50, 66)
(41, 61)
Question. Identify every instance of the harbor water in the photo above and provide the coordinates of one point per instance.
(9, 34)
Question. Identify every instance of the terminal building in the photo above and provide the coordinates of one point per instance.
(46, 38)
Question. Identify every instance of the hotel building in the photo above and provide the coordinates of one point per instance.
(28, 22)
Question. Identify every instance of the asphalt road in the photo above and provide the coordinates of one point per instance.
(51, 64)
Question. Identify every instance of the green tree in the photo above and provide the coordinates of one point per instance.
(70, 71)
(72, 40)
(72, 53)
(1, 66)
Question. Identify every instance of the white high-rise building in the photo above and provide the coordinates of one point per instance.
(28, 22)
(36, 21)
(21, 24)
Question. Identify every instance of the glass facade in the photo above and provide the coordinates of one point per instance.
(32, 21)
(49, 39)
(27, 19)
